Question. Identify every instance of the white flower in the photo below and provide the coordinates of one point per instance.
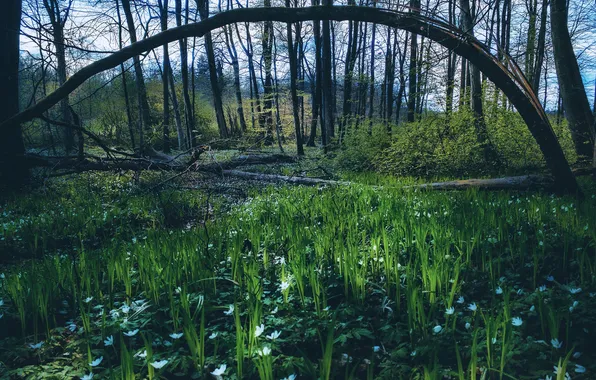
(259, 330)
(176, 335)
(109, 341)
(542, 288)
(575, 290)
(36, 346)
(125, 309)
(516, 321)
(274, 335)
(159, 364)
(284, 285)
(131, 333)
(580, 368)
(230, 311)
(167, 343)
(556, 344)
(468, 325)
(472, 306)
(376, 348)
(88, 299)
(460, 299)
(220, 371)
(499, 290)
(87, 377)
(437, 329)
(291, 377)
(450, 311)
(213, 335)
(96, 362)
(550, 278)
(532, 308)
(1, 302)
(72, 327)
(494, 340)
(266, 351)
(413, 353)
(274, 310)
(576, 355)
(141, 354)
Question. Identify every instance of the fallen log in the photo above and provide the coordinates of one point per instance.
(89, 163)
(524, 182)
(282, 178)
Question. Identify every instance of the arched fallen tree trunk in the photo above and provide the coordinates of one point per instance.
(511, 82)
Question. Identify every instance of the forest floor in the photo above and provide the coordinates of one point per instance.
(123, 277)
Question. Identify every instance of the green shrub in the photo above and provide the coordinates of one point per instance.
(359, 148)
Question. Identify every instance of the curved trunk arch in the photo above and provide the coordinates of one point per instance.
(510, 81)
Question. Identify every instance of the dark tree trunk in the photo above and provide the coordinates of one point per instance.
(58, 18)
(327, 83)
(476, 90)
(575, 100)
(188, 107)
(292, 51)
(234, 57)
(372, 78)
(124, 84)
(145, 119)
(414, 8)
(13, 172)
(203, 6)
(317, 91)
(268, 85)
(541, 47)
(163, 7)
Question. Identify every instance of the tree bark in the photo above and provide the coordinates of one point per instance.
(327, 83)
(163, 8)
(58, 18)
(12, 171)
(293, 53)
(575, 100)
(476, 90)
(145, 117)
(413, 74)
(203, 6)
(234, 57)
(188, 107)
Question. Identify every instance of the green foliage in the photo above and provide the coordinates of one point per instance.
(358, 281)
(434, 146)
(359, 148)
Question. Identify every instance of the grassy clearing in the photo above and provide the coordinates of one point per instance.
(352, 282)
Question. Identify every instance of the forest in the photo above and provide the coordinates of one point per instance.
(298, 189)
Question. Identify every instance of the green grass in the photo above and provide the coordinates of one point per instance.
(359, 281)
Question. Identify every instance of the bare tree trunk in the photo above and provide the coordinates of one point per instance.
(402, 79)
(278, 130)
(188, 107)
(575, 100)
(203, 6)
(13, 172)
(144, 119)
(372, 78)
(414, 8)
(349, 74)
(268, 86)
(293, 52)
(476, 90)
(234, 57)
(316, 94)
(541, 47)
(124, 84)
(58, 18)
(327, 98)
(163, 8)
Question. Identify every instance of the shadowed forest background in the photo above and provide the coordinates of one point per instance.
(267, 190)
